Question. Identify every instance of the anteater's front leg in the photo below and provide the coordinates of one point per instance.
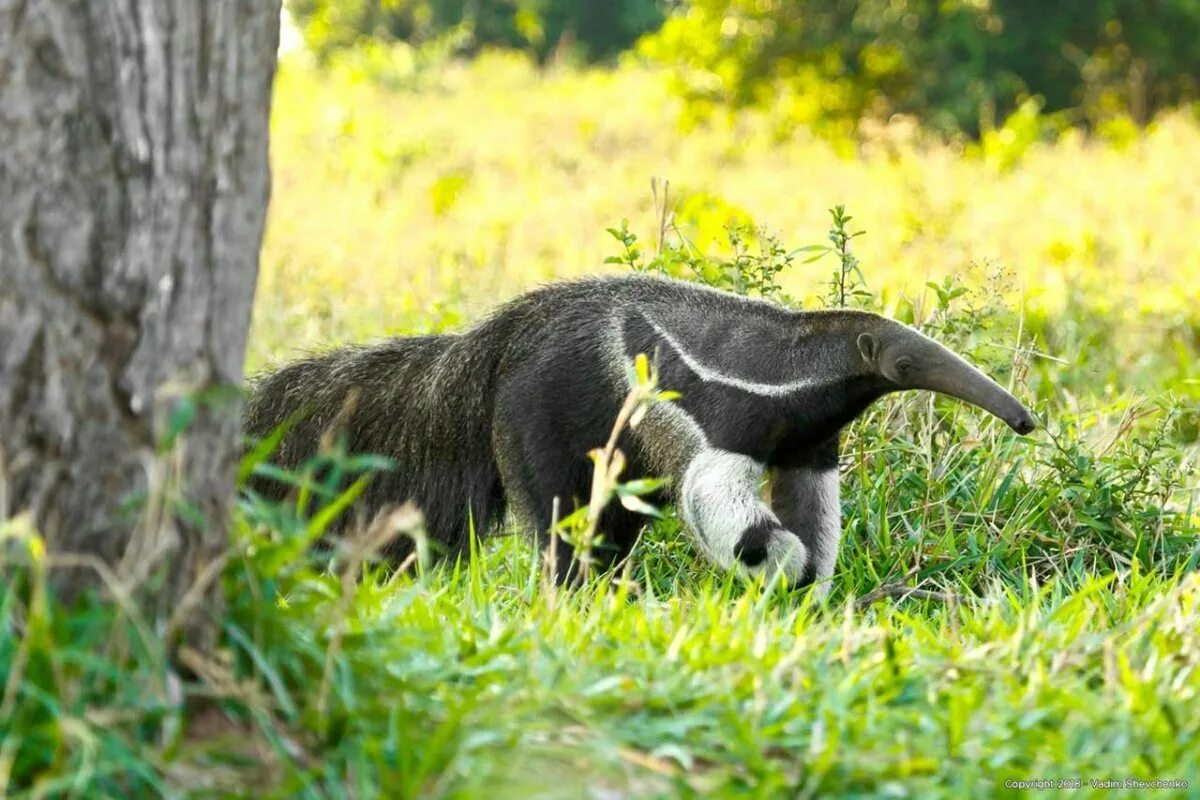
(720, 501)
(804, 495)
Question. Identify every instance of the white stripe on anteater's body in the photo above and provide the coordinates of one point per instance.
(710, 374)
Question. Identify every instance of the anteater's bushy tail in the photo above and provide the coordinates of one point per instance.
(425, 402)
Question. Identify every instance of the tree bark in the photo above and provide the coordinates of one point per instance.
(133, 191)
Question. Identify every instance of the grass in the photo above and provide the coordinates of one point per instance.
(1004, 609)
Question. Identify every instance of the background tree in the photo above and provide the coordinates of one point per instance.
(134, 178)
(595, 29)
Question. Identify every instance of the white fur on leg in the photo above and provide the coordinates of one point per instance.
(785, 552)
(719, 501)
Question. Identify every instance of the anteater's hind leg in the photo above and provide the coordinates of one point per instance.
(544, 482)
(620, 529)
(452, 508)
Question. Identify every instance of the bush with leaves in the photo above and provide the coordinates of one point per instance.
(957, 66)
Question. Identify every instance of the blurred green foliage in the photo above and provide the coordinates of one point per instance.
(957, 65)
(595, 30)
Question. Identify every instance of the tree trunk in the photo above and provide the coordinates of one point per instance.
(133, 194)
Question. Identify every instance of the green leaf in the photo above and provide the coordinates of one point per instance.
(639, 506)
(641, 368)
(641, 486)
(330, 512)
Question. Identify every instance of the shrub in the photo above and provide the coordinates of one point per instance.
(956, 65)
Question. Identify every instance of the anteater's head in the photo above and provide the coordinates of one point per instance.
(906, 359)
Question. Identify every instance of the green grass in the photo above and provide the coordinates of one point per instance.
(1004, 608)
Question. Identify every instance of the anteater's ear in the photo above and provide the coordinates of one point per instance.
(868, 345)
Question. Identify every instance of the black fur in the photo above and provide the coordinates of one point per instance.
(752, 549)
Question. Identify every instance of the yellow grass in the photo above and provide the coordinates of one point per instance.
(422, 205)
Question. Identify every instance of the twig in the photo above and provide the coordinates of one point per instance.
(662, 208)
(902, 591)
(550, 574)
(195, 593)
(609, 465)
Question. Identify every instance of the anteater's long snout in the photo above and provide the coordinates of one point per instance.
(955, 377)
